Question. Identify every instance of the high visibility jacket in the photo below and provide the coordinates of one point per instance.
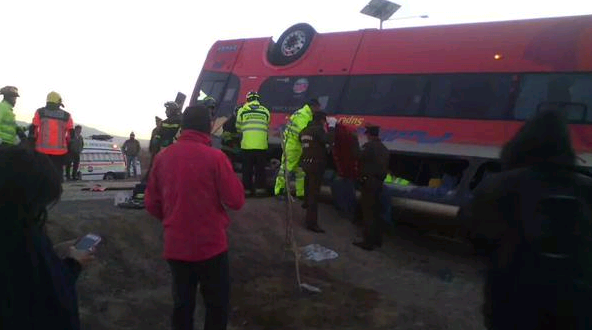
(297, 122)
(252, 120)
(52, 131)
(7, 124)
(391, 179)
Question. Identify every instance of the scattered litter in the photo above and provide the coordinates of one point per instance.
(98, 188)
(317, 252)
(310, 288)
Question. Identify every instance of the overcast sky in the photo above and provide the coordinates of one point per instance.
(115, 63)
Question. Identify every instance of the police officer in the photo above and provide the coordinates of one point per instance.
(296, 123)
(8, 128)
(170, 127)
(313, 161)
(374, 160)
(252, 121)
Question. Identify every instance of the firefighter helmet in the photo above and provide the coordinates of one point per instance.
(171, 105)
(209, 102)
(252, 95)
(54, 97)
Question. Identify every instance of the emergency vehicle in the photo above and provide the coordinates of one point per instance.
(447, 98)
(101, 159)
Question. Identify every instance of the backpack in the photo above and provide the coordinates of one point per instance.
(552, 264)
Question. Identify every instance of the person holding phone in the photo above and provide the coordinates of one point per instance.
(37, 287)
(189, 186)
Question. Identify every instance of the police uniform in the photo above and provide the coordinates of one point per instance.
(313, 161)
(252, 122)
(374, 160)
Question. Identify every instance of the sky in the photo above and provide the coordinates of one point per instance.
(116, 63)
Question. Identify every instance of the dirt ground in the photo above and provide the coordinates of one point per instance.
(411, 283)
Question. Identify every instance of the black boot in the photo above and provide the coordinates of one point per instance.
(364, 245)
(315, 229)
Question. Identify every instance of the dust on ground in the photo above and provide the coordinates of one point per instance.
(397, 287)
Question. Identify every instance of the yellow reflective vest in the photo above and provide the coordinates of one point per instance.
(252, 121)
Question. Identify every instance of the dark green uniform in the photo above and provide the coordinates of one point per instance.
(374, 161)
(313, 162)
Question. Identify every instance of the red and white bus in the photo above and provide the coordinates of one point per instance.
(446, 97)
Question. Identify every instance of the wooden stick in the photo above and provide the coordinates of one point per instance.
(290, 216)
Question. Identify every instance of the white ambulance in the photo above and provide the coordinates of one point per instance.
(101, 160)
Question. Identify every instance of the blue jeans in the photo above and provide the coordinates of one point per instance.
(131, 161)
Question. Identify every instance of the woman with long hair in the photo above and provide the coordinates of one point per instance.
(37, 287)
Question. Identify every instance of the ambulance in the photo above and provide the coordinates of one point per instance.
(101, 159)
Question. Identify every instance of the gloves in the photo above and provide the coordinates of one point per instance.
(331, 121)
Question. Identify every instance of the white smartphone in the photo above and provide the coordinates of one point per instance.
(88, 242)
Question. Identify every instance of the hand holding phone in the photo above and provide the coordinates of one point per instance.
(88, 242)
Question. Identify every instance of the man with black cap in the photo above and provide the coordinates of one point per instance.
(374, 160)
(189, 186)
(313, 161)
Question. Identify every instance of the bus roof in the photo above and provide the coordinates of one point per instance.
(560, 44)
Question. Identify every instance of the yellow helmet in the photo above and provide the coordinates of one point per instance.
(54, 97)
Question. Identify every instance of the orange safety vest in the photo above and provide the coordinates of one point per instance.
(52, 130)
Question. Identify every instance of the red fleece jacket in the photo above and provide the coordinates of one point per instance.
(189, 184)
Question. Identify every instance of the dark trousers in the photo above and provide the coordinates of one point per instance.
(371, 207)
(73, 162)
(213, 277)
(254, 161)
(58, 164)
(312, 189)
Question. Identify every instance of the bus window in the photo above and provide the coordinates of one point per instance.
(288, 94)
(395, 95)
(471, 96)
(542, 89)
(213, 84)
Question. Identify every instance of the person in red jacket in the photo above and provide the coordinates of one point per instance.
(189, 185)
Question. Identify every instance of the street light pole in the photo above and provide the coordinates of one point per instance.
(406, 17)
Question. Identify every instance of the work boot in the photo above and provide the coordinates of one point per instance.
(315, 229)
(364, 245)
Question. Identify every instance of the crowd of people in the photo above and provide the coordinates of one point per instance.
(533, 220)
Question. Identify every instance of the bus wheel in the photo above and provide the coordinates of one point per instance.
(292, 44)
(109, 176)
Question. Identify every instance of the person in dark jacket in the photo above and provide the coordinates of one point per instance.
(190, 185)
(131, 148)
(313, 162)
(374, 160)
(170, 127)
(75, 147)
(37, 287)
(153, 148)
(536, 213)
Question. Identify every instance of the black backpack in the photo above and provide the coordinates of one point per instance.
(552, 265)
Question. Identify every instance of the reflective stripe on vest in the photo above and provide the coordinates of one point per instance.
(253, 123)
(51, 138)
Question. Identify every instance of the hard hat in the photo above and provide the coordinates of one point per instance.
(252, 95)
(132, 134)
(171, 105)
(54, 97)
(209, 102)
(9, 91)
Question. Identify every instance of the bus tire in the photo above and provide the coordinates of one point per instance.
(292, 44)
(109, 176)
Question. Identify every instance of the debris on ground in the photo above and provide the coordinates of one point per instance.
(316, 252)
